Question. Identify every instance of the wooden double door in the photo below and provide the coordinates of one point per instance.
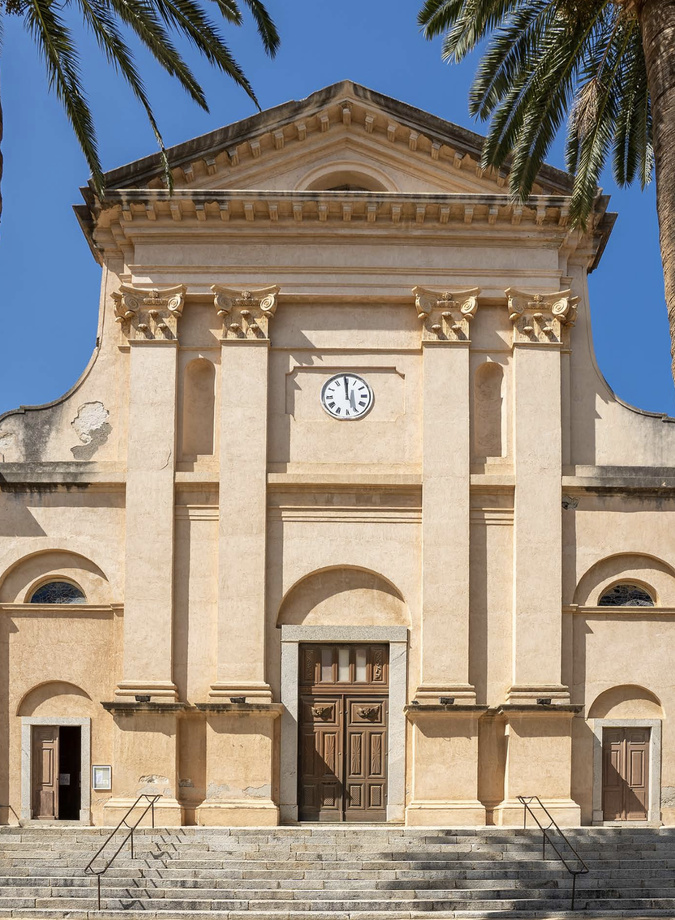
(625, 774)
(343, 732)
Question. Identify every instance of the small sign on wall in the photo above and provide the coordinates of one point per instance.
(101, 777)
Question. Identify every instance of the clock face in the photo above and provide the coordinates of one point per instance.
(346, 396)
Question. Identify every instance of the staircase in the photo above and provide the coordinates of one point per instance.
(334, 873)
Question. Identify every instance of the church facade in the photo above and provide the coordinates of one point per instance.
(341, 523)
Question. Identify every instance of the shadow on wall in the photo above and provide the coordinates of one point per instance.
(56, 698)
(343, 597)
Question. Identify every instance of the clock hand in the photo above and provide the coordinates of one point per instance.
(346, 387)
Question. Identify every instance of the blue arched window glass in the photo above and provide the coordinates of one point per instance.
(58, 592)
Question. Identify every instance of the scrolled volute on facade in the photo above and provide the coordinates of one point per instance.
(149, 315)
(245, 313)
(445, 315)
(541, 318)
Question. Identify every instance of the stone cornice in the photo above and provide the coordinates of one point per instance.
(132, 212)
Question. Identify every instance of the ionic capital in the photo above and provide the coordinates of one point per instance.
(149, 315)
(445, 315)
(245, 314)
(541, 318)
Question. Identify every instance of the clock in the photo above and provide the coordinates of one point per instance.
(346, 396)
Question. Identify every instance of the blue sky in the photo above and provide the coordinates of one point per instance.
(49, 282)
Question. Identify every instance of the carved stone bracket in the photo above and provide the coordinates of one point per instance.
(446, 315)
(541, 318)
(149, 315)
(245, 314)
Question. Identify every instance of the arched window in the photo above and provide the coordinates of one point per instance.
(58, 592)
(626, 596)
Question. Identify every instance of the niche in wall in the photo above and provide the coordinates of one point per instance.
(199, 402)
(488, 411)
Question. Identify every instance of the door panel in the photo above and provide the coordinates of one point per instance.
(321, 729)
(625, 784)
(366, 762)
(44, 772)
(343, 732)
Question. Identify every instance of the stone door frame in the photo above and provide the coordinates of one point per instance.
(654, 807)
(397, 639)
(27, 724)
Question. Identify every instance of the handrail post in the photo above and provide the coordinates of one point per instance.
(524, 816)
(543, 849)
(574, 888)
(152, 813)
(98, 879)
(132, 843)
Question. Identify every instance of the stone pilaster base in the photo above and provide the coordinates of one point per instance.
(564, 812)
(445, 814)
(432, 694)
(239, 765)
(168, 812)
(242, 691)
(445, 766)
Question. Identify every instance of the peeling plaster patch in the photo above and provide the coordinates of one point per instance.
(220, 792)
(7, 440)
(154, 784)
(668, 796)
(91, 425)
(186, 783)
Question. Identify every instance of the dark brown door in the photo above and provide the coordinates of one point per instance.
(625, 772)
(45, 771)
(343, 732)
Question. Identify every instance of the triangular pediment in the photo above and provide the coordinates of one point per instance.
(343, 136)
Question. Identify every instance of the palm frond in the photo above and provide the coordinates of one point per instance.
(55, 43)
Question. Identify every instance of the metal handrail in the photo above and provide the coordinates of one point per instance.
(89, 868)
(525, 801)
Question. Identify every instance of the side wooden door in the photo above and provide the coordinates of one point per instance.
(45, 771)
(366, 761)
(625, 774)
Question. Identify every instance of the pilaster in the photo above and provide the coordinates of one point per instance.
(540, 323)
(445, 318)
(243, 493)
(149, 329)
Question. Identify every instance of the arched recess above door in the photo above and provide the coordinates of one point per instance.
(343, 596)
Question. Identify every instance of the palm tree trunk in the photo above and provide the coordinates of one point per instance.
(657, 19)
(0, 160)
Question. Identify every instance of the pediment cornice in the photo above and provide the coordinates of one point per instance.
(349, 106)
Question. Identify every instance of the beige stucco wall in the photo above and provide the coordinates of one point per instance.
(494, 491)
